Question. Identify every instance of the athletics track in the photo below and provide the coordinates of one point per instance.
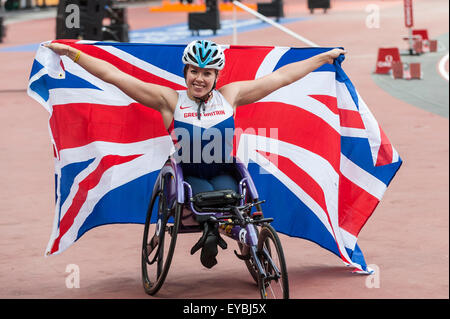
(406, 238)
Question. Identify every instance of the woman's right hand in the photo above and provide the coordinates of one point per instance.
(58, 48)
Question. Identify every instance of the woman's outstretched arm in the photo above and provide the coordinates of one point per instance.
(158, 97)
(246, 92)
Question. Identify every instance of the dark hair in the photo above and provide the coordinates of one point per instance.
(185, 69)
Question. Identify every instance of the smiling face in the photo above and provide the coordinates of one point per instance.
(199, 81)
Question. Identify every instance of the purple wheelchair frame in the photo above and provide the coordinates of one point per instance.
(176, 196)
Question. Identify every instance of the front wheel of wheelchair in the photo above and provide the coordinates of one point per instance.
(158, 244)
(274, 285)
(250, 262)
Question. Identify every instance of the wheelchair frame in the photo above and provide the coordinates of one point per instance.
(235, 222)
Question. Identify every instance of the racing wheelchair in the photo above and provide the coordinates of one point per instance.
(174, 210)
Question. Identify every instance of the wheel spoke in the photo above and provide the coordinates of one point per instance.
(152, 244)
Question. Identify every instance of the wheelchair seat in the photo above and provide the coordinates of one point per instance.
(200, 206)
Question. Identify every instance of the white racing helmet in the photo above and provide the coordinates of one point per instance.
(204, 54)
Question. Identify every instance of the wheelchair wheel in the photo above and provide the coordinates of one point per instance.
(270, 254)
(158, 243)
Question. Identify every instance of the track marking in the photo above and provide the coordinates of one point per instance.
(442, 70)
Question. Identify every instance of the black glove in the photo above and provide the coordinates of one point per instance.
(208, 242)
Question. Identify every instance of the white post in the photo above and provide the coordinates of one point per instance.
(234, 26)
(275, 24)
(409, 22)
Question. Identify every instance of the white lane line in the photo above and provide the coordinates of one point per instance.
(275, 24)
(442, 70)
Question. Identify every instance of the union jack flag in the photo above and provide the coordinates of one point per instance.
(322, 173)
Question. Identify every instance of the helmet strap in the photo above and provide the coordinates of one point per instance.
(202, 100)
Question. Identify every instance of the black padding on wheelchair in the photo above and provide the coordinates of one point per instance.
(213, 199)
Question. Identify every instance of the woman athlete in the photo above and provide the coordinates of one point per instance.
(201, 117)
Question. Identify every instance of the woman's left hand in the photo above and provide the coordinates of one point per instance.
(329, 56)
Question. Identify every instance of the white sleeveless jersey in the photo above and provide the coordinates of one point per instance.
(205, 140)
